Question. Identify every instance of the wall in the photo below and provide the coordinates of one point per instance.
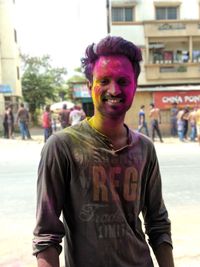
(145, 98)
(141, 98)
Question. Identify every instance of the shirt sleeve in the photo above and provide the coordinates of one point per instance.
(157, 223)
(51, 191)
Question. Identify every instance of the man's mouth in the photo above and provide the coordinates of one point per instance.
(112, 100)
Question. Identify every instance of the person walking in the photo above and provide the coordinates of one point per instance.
(5, 123)
(63, 117)
(198, 124)
(155, 117)
(192, 123)
(173, 119)
(180, 125)
(142, 121)
(76, 115)
(23, 120)
(185, 122)
(46, 123)
(101, 176)
(8, 123)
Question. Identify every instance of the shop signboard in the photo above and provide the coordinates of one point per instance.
(165, 99)
(81, 91)
(4, 88)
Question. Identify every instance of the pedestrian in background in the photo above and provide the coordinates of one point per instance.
(53, 122)
(8, 122)
(100, 175)
(185, 118)
(173, 119)
(23, 119)
(63, 116)
(192, 124)
(46, 123)
(198, 124)
(5, 123)
(180, 125)
(142, 121)
(76, 115)
(155, 117)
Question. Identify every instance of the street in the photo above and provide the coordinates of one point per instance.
(180, 169)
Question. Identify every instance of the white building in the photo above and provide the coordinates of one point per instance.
(168, 33)
(10, 84)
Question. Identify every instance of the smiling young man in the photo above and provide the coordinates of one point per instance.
(101, 176)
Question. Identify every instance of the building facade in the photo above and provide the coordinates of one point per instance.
(10, 83)
(168, 33)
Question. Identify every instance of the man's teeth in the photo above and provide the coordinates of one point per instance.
(114, 100)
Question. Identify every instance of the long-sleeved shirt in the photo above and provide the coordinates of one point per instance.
(101, 193)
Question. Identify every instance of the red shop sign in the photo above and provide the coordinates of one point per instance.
(165, 100)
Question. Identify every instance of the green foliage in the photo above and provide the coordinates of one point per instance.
(41, 83)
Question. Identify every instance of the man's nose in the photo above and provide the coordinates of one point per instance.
(114, 89)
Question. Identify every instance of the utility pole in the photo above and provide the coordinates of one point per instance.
(108, 9)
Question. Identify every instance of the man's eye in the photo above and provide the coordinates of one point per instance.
(123, 82)
(104, 81)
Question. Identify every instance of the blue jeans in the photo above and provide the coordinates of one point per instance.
(47, 133)
(173, 126)
(143, 125)
(181, 135)
(193, 133)
(24, 129)
(155, 129)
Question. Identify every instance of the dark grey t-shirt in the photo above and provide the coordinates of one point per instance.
(101, 193)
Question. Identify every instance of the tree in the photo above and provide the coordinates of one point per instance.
(41, 82)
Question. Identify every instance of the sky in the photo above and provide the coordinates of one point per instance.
(60, 28)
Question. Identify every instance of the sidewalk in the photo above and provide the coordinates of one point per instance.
(37, 135)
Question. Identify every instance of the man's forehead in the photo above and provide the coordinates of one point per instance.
(113, 63)
(112, 58)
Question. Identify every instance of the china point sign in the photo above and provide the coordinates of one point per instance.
(165, 100)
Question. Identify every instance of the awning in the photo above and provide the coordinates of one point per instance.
(58, 106)
(4, 88)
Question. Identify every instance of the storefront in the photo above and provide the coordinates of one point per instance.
(163, 98)
(82, 95)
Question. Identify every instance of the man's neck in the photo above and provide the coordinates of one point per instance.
(113, 129)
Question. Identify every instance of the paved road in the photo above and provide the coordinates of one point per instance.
(180, 168)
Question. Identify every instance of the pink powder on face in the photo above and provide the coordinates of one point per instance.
(113, 76)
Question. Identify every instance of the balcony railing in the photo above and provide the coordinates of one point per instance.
(172, 72)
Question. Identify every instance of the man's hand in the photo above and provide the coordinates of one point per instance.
(48, 258)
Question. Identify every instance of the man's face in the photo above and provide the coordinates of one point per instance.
(113, 86)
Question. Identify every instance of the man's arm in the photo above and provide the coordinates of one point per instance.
(157, 223)
(48, 258)
(164, 255)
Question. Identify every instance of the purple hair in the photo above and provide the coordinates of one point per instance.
(111, 45)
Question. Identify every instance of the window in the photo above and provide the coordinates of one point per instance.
(122, 14)
(166, 13)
